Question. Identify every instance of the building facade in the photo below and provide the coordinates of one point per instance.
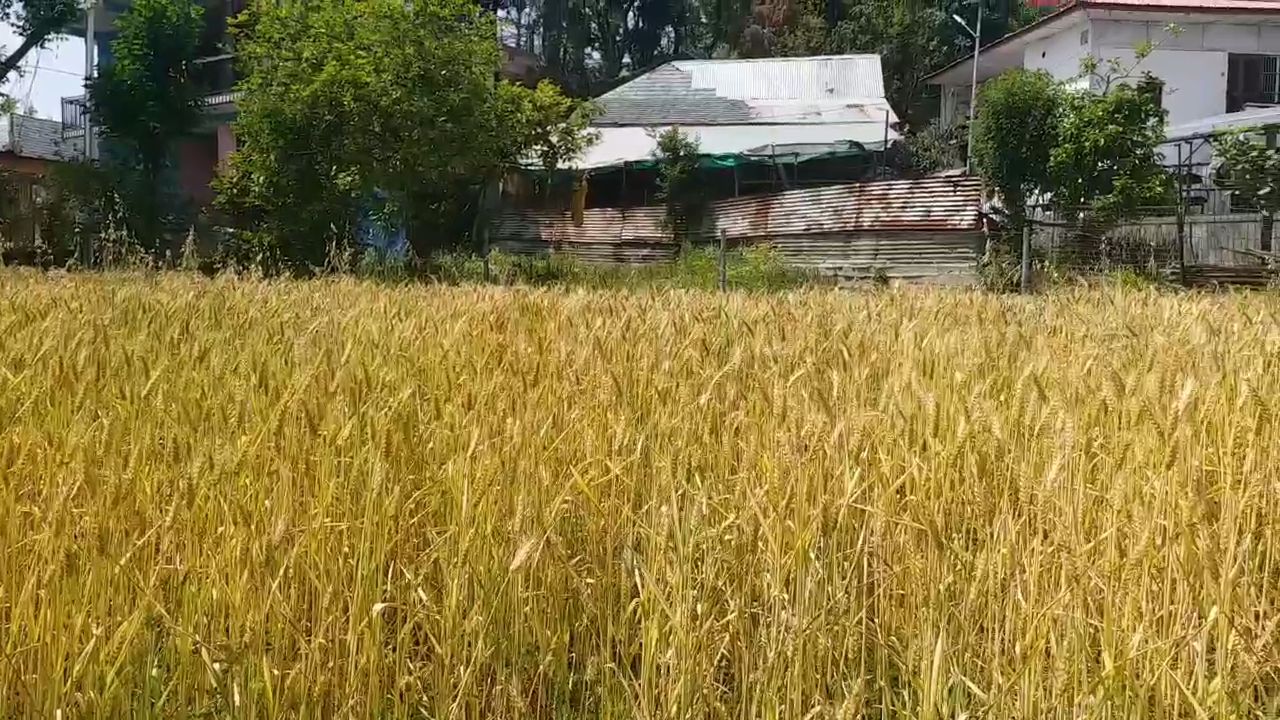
(1212, 56)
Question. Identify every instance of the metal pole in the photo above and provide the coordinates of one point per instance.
(973, 87)
(884, 149)
(1026, 252)
(724, 266)
(1268, 221)
(1182, 219)
(90, 152)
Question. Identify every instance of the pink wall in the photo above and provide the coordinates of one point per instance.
(199, 159)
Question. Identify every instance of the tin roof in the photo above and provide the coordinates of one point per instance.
(735, 92)
(33, 137)
(936, 204)
(932, 204)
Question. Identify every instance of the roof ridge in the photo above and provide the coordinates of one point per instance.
(789, 58)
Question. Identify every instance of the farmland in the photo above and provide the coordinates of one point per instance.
(340, 499)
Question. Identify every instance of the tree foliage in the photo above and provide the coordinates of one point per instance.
(1251, 170)
(1104, 158)
(1087, 151)
(678, 155)
(348, 99)
(145, 100)
(1014, 134)
(591, 44)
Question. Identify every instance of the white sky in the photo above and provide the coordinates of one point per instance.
(48, 74)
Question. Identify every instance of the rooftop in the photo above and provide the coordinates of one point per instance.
(817, 90)
(37, 138)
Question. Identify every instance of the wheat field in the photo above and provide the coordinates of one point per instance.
(251, 499)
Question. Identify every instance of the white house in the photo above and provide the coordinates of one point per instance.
(1224, 58)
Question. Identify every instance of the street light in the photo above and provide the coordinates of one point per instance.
(973, 86)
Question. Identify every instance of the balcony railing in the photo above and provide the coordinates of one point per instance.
(74, 111)
(216, 75)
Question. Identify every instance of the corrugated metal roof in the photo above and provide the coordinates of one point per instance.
(832, 77)
(635, 236)
(816, 228)
(643, 224)
(734, 92)
(33, 137)
(938, 204)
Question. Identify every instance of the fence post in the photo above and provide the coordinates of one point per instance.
(1268, 222)
(1026, 252)
(1182, 226)
(724, 264)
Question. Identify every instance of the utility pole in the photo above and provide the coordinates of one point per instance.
(973, 86)
(90, 151)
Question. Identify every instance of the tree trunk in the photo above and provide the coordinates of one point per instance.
(29, 43)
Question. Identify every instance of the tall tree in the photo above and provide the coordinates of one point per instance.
(346, 100)
(36, 21)
(145, 101)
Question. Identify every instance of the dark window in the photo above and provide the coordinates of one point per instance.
(1252, 80)
(1152, 87)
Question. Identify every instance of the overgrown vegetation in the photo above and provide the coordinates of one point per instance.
(334, 498)
(347, 100)
(1250, 170)
(144, 101)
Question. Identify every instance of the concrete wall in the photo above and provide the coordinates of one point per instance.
(1195, 81)
(1193, 63)
(1060, 54)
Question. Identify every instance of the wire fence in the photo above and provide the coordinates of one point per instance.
(1205, 240)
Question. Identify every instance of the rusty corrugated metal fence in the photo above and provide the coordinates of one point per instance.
(927, 229)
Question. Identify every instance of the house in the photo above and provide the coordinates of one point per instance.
(781, 117)
(1213, 56)
(200, 155)
(29, 148)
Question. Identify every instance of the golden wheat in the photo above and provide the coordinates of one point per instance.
(335, 499)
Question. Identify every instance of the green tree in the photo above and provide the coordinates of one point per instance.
(911, 38)
(1104, 161)
(35, 21)
(348, 99)
(145, 101)
(1014, 134)
(1251, 169)
(679, 187)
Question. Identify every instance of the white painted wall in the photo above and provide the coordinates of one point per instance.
(1195, 35)
(1192, 63)
(1195, 81)
(1060, 54)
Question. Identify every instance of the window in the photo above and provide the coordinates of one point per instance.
(1152, 87)
(1252, 80)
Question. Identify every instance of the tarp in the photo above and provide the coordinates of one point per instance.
(733, 143)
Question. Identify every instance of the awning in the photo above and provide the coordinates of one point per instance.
(619, 145)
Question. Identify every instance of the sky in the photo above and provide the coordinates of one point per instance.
(48, 74)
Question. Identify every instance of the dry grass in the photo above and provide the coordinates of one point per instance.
(339, 500)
